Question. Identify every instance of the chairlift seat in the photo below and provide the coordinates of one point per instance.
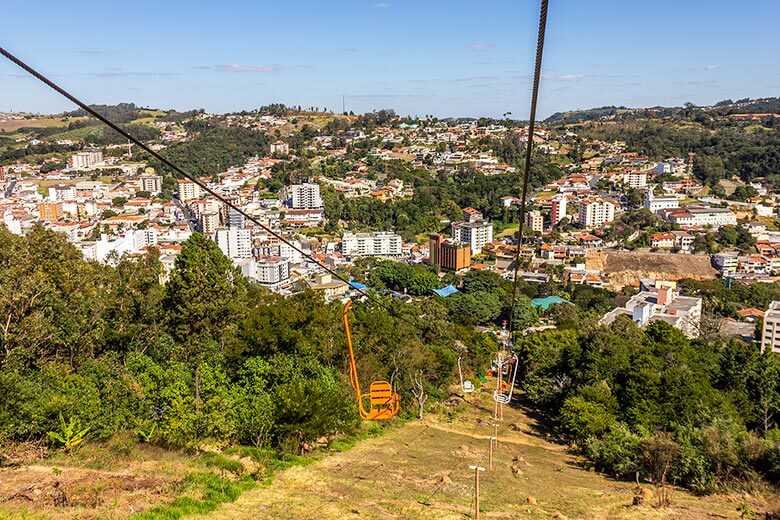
(501, 398)
(468, 386)
(384, 402)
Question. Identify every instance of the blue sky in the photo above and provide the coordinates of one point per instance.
(447, 58)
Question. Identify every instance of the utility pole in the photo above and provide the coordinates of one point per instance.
(490, 451)
(343, 104)
(476, 469)
(498, 386)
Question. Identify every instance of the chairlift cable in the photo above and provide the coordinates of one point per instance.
(529, 145)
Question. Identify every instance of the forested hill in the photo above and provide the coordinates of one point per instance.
(726, 107)
(732, 138)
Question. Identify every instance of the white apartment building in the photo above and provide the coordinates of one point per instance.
(271, 271)
(209, 222)
(534, 221)
(661, 303)
(280, 147)
(770, 335)
(151, 183)
(235, 242)
(236, 219)
(305, 196)
(596, 212)
(635, 179)
(725, 262)
(86, 159)
(62, 192)
(114, 247)
(477, 234)
(381, 243)
(290, 253)
(188, 190)
(658, 203)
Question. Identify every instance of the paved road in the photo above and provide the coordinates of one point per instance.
(9, 188)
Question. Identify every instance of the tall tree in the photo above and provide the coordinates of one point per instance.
(205, 299)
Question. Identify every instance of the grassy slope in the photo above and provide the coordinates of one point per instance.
(388, 477)
(43, 122)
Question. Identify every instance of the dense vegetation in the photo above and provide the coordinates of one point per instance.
(206, 357)
(654, 403)
(722, 148)
(437, 199)
(119, 113)
(214, 151)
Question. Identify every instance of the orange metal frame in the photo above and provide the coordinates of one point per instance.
(383, 401)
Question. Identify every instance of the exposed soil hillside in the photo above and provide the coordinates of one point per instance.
(621, 268)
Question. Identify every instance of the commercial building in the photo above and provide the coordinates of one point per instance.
(188, 190)
(304, 196)
(770, 335)
(235, 242)
(151, 183)
(86, 159)
(661, 302)
(595, 212)
(381, 243)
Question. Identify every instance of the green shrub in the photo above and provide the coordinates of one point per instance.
(615, 452)
(583, 419)
(70, 435)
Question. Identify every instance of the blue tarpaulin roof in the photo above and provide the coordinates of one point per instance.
(446, 291)
(544, 303)
(357, 285)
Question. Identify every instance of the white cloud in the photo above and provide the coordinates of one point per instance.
(236, 67)
(711, 67)
(563, 77)
(381, 5)
(481, 46)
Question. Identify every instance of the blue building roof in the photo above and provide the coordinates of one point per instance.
(357, 285)
(544, 303)
(446, 291)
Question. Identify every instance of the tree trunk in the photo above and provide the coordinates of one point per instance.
(197, 388)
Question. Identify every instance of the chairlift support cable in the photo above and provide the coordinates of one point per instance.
(529, 145)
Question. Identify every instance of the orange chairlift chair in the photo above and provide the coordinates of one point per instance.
(382, 400)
